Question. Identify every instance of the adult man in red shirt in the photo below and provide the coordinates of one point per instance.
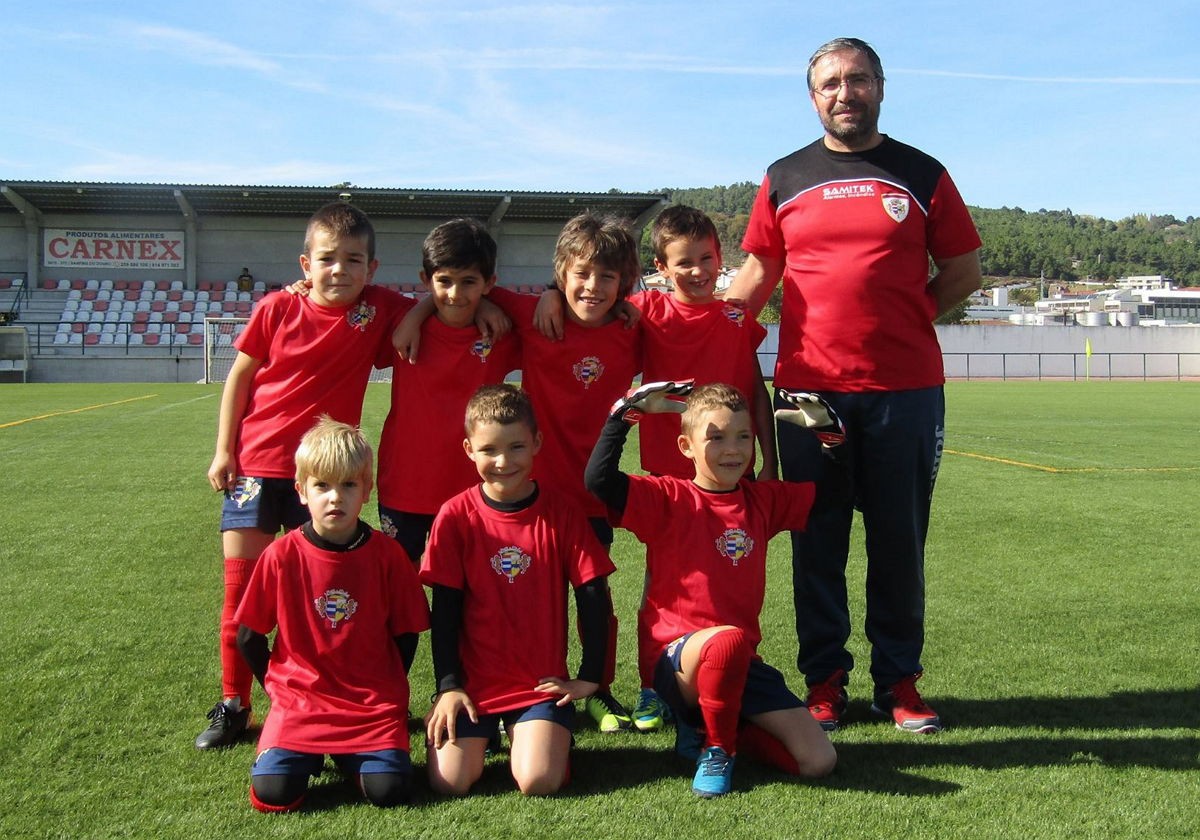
(849, 224)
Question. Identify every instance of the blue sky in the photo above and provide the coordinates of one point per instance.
(1089, 106)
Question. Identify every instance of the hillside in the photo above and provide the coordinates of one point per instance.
(1017, 243)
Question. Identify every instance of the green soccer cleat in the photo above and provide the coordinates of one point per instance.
(610, 716)
(651, 713)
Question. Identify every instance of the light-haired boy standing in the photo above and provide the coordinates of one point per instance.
(299, 357)
(499, 561)
(706, 553)
(347, 605)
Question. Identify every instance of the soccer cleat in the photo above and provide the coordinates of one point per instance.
(651, 713)
(688, 740)
(610, 716)
(714, 773)
(827, 700)
(903, 704)
(226, 726)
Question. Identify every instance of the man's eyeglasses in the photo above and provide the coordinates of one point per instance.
(856, 85)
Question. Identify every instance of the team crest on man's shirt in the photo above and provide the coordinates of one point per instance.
(360, 316)
(735, 313)
(588, 369)
(245, 490)
(896, 205)
(335, 606)
(734, 544)
(510, 562)
(481, 349)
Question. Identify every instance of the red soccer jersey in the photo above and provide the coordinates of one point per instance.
(421, 460)
(706, 552)
(335, 679)
(856, 231)
(572, 384)
(316, 360)
(709, 342)
(514, 569)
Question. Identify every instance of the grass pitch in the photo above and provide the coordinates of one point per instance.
(1063, 630)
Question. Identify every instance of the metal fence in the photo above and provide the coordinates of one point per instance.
(1124, 365)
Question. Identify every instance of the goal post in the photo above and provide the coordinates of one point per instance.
(219, 352)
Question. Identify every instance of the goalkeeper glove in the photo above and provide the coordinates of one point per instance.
(652, 398)
(811, 411)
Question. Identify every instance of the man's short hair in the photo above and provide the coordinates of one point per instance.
(681, 222)
(709, 397)
(503, 404)
(341, 220)
(333, 451)
(598, 239)
(839, 44)
(459, 243)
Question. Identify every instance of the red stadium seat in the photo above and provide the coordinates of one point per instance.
(196, 339)
(91, 339)
(150, 338)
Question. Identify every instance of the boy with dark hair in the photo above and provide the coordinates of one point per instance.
(706, 555)
(299, 357)
(499, 560)
(348, 607)
(419, 467)
(574, 378)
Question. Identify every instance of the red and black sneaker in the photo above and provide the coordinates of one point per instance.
(902, 703)
(827, 700)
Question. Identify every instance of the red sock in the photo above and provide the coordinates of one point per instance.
(236, 678)
(761, 745)
(720, 680)
(259, 805)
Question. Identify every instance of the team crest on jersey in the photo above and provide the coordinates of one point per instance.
(735, 544)
(245, 490)
(335, 606)
(360, 316)
(481, 349)
(736, 313)
(510, 562)
(588, 369)
(896, 205)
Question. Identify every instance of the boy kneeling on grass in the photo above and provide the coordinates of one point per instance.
(707, 544)
(500, 558)
(348, 607)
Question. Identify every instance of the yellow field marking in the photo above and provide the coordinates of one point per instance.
(1044, 468)
(75, 411)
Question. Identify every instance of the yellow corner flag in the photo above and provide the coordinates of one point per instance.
(1087, 347)
(1087, 363)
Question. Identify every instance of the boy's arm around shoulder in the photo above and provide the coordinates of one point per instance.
(235, 396)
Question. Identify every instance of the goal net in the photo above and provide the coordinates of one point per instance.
(219, 352)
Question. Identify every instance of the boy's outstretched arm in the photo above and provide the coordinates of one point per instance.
(255, 650)
(235, 396)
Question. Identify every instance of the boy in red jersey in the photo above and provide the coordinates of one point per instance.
(688, 334)
(347, 605)
(707, 545)
(572, 382)
(419, 464)
(499, 560)
(299, 357)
